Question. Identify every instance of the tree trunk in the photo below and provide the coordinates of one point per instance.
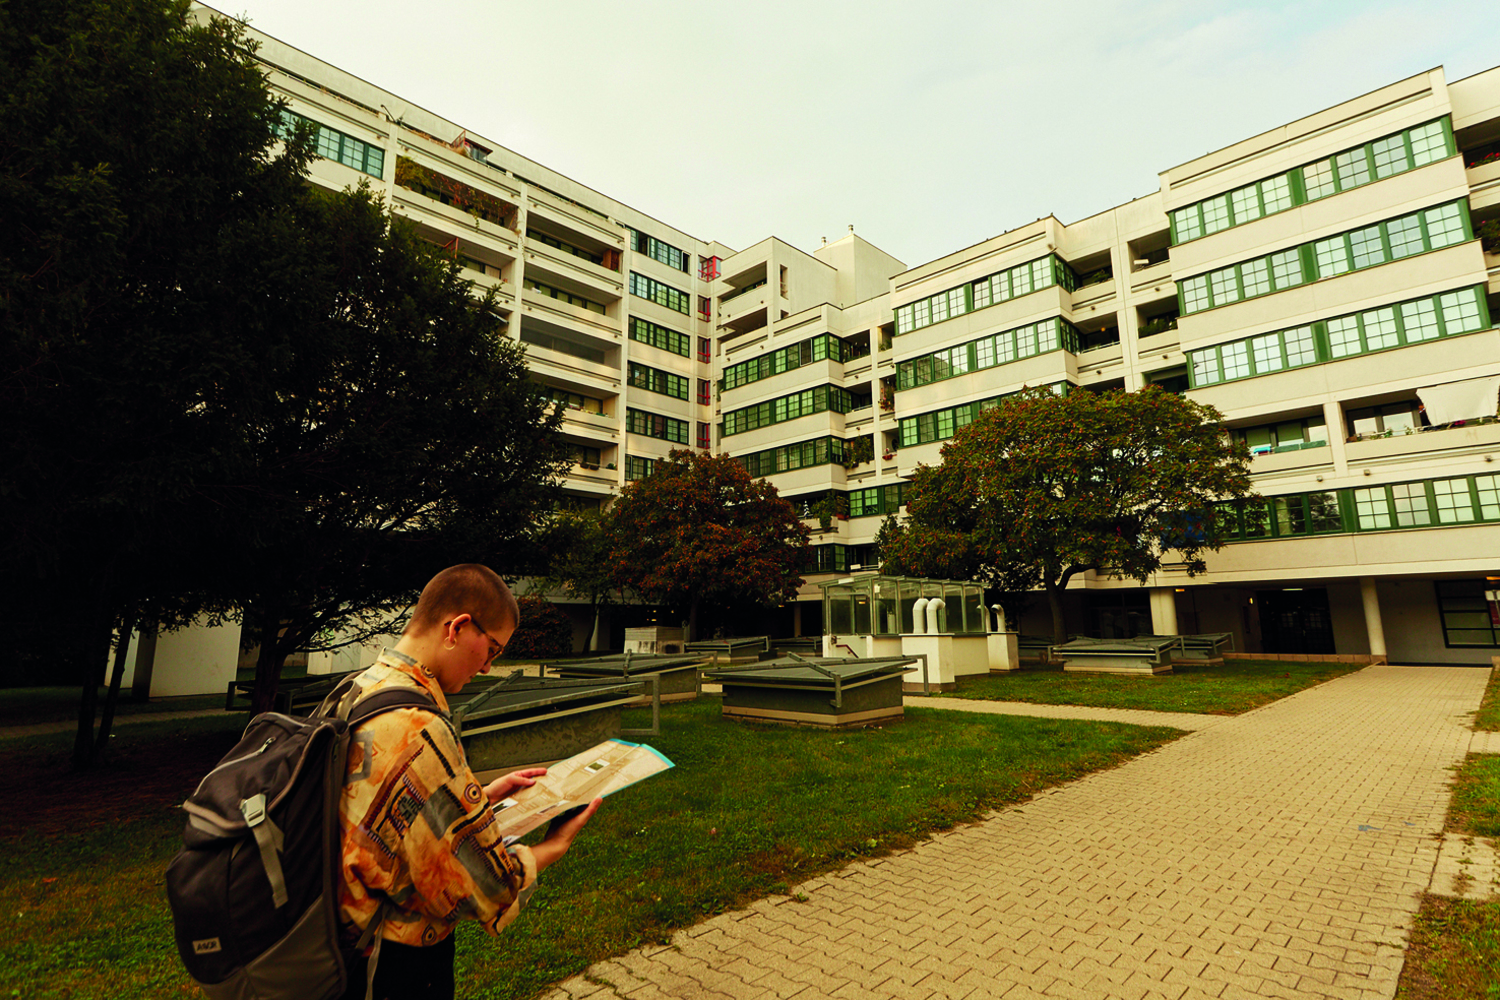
(127, 626)
(1059, 623)
(268, 663)
(594, 635)
(94, 648)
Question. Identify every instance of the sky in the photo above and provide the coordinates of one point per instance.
(928, 126)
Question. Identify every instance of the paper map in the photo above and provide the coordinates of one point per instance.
(577, 781)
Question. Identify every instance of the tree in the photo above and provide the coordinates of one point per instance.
(133, 140)
(578, 546)
(1043, 487)
(699, 531)
(403, 434)
(545, 632)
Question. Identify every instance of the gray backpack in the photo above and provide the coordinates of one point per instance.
(255, 889)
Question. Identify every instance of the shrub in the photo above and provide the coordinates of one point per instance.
(545, 632)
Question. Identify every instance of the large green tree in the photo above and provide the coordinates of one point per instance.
(231, 393)
(404, 434)
(133, 141)
(698, 531)
(577, 546)
(1043, 487)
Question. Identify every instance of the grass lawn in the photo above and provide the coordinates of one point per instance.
(30, 706)
(1488, 716)
(1454, 952)
(748, 811)
(1475, 806)
(1235, 687)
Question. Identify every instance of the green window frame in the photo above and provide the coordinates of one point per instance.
(588, 404)
(940, 425)
(832, 558)
(647, 332)
(562, 295)
(1447, 314)
(655, 380)
(824, 347)
(1454, 501)
(646, 287)
(331, 144)
(791, 457)
(1430, 229)
(988, 351)
(659, 250)
(637, 467)
(1013, 282)
(656, 425)
(1376, 160)
(818, 399)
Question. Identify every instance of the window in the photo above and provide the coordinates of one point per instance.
(705, 349)
(1372, 509)
(565, 247)
(798, 404)
(1384, 157)
(999, 348)
(1469, 611)
(655, 380)
(1430, 229)
(704, 392)
(572, 399)
(1288, 435)
(825, 347)
(1449, 314)
(638, 468)
(565, 296)
(657, 250)
(659, 336)
(789, 458)
(1010, 283)
(586, 456)
(332, 144)
(661, 294)
(703, 435)
(1410, 501)
(657, 426)
(1454, 504)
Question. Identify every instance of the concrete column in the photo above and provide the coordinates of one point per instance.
(1372, 615)
(1333, 416)
(1163, 610)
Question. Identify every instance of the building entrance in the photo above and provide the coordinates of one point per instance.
(1295, 621)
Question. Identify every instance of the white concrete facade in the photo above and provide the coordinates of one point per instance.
(580, 275)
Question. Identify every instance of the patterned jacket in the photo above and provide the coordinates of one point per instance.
(416, 825)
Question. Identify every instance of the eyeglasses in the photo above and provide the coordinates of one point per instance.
(496, 647)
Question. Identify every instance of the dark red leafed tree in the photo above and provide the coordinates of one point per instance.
(699, 531)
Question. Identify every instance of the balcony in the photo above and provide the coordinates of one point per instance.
(1472, 434)
(1484, 185)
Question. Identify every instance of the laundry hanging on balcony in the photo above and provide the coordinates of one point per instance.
(1466, 400)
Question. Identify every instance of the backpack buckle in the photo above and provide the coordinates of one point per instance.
(254, 809)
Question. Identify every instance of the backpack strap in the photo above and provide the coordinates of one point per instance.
(391, 698)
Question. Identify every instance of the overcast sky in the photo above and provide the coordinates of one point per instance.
(929, 126)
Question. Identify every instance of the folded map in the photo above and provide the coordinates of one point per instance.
(577, 781)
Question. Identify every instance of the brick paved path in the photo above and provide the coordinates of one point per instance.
(1276, 854)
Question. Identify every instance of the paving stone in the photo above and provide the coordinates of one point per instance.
(1280, 853)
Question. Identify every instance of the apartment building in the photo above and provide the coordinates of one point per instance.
(1326, 285)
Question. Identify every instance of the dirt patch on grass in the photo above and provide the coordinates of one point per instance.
(1454, 951)
(143, 773)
